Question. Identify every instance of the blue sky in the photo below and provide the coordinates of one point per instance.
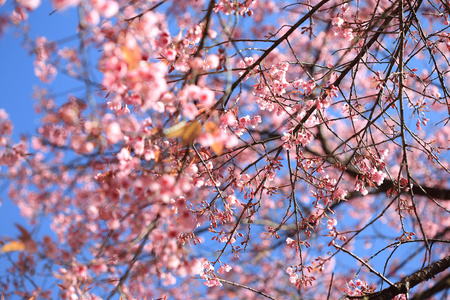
(17, 80)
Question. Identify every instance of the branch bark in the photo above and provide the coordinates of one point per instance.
(404, 285)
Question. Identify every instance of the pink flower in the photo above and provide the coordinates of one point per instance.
(99, 267)
(79, 144)
(337, 21)
(133, 100)
(377, 176)
(363, 190)
(232, 200)
(384, 154)
(358, 288)
(107, 9)
(80, 271)
(206, 97)
(190, 111)
(213, 282)
(348, 34)
(124, 155)
(51, 248)
(29, 4)
(340, 194)
(9, 158)
(360, 186)
(245, 121)
(228, 119)
(163, 39)
(196, 63)
(168, 279)
(331, 223)
(113, 224)
(113, 132)
(297, 83)
(64, 3)
(18, 15)
(92, 17)
(212, 61)
(6, 128)
(224, 268)
(255, 121)
(44, 71)
(69, 113)
(293, 277)
(170, 54)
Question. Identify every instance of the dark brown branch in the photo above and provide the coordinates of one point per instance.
(206, 28)
(407, 283)
(143, 241)
(432, 192)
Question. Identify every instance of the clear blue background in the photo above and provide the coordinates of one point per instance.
(17, 80)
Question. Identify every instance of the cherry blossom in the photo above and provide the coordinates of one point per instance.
(230, 149)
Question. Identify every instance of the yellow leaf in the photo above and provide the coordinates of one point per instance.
(132, 57)
(13, 246)
(212, 128)
(176, 130)
(217, 148)
(24, 242)
(188, 132)
(157, 153)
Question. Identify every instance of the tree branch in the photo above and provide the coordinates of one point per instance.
(407, 283)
